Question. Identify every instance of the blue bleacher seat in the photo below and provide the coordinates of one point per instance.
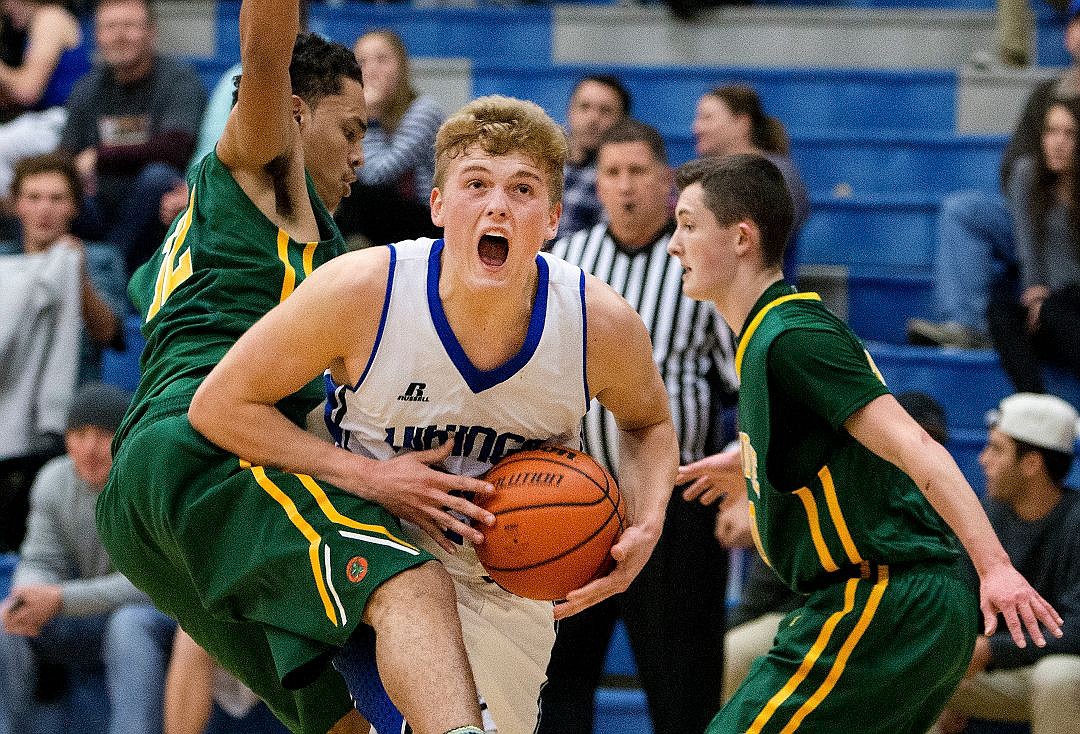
(871, 230)
(621, 711)
(493, 33)
(122, 368)
(881, 300)
(864, 99)
(878, 161)
(620, 658)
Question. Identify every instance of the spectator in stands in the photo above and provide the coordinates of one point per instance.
(731, 119)
(1044, 194)
(674, 610)
(390, 200)
(47, 196)
(765, 600)
(975, 240)
(200, 695)
(131, 127)
(56, 55)
(1027, 456)
(61, 301)
(597, 102)
(68, 613)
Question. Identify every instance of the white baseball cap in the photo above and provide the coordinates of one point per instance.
(1045, 421)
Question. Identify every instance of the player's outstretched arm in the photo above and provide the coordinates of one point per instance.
(261, 126)
(624, 378)
(884, 427)
(330, 321)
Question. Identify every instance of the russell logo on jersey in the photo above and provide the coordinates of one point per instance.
(414, 393)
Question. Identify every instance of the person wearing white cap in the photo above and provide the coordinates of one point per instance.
(1028, 453)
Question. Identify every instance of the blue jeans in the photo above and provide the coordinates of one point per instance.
(128, 213)
(68, 643)
(136, 650)
(132, 644)
(975, 250)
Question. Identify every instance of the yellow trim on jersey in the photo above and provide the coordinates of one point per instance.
(305, 529)
(334, 516)
(172, 273)
(845, 652)
(813, 520)
(837, 516)
(309, 257)
(808, 662)
(757, 322)
(288, 283)
(757, 538)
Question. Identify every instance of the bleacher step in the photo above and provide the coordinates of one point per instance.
(773, 36)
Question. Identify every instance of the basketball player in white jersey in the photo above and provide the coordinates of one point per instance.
(468, 348)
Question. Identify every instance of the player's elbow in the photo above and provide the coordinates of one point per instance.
(203, 411)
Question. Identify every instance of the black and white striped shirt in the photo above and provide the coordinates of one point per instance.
(689, 337)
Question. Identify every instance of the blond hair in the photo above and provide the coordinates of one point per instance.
(501, 125)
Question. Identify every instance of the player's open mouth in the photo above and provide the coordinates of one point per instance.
(493, 249)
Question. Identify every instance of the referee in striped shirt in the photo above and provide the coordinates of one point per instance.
(674, 611)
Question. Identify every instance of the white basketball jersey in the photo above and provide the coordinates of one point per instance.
(419, 385)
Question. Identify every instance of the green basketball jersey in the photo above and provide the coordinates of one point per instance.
(819, 500)
(223, 265)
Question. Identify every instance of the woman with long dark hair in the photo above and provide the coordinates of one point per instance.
(731, 119)
(1040, 322)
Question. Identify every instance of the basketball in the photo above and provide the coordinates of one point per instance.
(557, 514)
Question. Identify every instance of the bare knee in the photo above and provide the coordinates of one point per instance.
(422, 590)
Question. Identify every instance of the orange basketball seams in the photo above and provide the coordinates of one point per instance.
(557, 514)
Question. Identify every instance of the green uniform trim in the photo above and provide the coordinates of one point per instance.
(269, 571)
(876, 655)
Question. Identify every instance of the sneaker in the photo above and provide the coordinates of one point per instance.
(923, 332)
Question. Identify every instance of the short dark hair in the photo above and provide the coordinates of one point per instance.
(58, 162)
(1057, 463)
(611, 81)
(317, 69)
(745, 186)
(630, 130)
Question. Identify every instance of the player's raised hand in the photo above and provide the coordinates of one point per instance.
(1004, 591)
(713, 477)
(630, 553)
(410, 488)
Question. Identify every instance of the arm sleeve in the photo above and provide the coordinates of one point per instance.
(411, 143)
(1031, 269)
(79, 133)
(215, 116)
(827, 371)
(42, 556)
(108, 276)
(99, 594)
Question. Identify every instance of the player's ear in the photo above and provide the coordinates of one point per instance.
(436, 207)
(553, 219)
(299, 110)
(749, 236)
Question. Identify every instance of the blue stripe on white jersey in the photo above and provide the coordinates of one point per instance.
(420, 385)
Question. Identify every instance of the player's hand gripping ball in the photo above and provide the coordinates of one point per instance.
(557, 514)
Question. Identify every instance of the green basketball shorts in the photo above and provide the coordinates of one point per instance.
(879, 655)
(269, 571)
